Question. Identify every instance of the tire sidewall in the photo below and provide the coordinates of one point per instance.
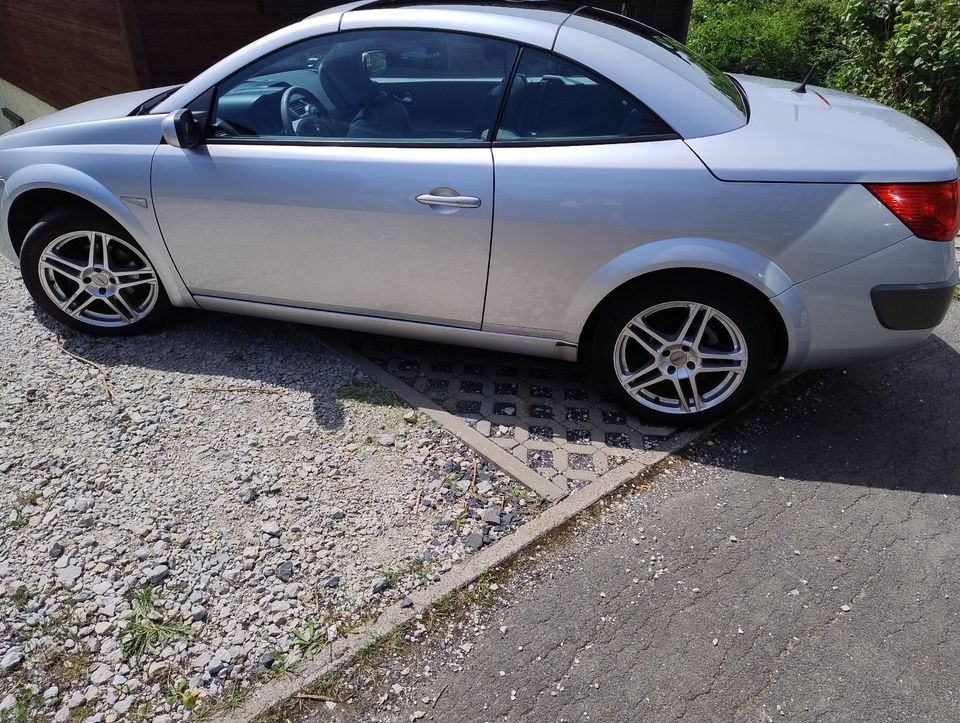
(735, 305)
(59, 223)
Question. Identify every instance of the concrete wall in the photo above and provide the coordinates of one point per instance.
(20, 102)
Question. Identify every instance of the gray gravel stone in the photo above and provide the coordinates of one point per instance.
(157, 574)
(285, 571)
(69, 575)
(492, 515)
(12, 660)
(180, 481)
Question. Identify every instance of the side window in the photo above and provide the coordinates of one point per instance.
(553, 99)
(383, 86)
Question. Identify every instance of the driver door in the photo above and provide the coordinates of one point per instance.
(386, 217)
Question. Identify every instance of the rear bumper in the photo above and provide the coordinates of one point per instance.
(880, 305)
(911, 306)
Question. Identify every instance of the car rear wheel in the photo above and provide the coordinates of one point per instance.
(88, 273)
(682, 354)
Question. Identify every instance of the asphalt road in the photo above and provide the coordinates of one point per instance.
(800, 564)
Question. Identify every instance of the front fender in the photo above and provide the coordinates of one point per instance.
(138, 221)
(695, 253)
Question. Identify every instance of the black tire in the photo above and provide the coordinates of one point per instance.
(607, 355)
(61, 222)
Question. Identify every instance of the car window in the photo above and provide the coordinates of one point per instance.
(382, 86)
(554, 99)
(665, 50)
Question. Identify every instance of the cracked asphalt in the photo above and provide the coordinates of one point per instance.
(800, 563)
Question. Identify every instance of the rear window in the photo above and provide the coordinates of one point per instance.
(669, 53)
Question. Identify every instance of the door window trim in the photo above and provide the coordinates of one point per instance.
(490, 142)
(361, 142)
(547, 142)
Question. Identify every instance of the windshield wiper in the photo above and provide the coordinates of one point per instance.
(149, 105)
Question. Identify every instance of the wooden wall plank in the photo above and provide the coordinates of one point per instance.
(65, 51)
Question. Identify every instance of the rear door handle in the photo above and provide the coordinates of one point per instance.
(433, 199)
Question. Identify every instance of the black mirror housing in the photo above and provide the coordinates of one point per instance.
(180, 129)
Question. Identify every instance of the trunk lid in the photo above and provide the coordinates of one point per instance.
(824, 136)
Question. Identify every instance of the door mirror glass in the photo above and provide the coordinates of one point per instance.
(180, 129)
(375, 60)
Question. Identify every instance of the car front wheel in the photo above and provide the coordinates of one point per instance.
(88, 273)
(682, 354)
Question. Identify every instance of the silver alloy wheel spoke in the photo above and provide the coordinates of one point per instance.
(117, 301)
(64, 266)
(644, 328)
(680, 357)
(650, 382)
(684, 332)
(100, 279)
(139, 282)
(642, 372)
(69, 302)
(694, 392)
(76, 312)
(698, 338)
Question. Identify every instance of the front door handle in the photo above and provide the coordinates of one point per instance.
(448, 198)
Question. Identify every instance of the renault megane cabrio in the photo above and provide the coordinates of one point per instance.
(528, 177)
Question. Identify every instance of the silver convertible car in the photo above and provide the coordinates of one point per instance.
(529, 177)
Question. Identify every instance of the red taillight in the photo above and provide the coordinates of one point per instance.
(930, 210)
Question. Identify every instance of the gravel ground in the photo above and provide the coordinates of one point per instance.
(187, 513)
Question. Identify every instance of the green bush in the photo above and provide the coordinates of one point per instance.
(772, 38)
(905, 53)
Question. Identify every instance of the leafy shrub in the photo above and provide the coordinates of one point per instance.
(906, 53)
(772, 38)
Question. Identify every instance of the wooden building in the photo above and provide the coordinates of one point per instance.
(55, 53)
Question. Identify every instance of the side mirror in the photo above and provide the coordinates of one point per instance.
(180, 129)
(375, 60)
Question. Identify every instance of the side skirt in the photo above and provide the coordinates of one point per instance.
(513, 343)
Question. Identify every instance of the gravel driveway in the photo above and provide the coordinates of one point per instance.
(187, 513)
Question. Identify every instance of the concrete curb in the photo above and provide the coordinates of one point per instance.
(277, 691)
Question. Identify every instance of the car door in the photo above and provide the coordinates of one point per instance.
(323, 183)
(584, 173)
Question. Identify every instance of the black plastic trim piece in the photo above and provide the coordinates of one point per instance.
(904, 307)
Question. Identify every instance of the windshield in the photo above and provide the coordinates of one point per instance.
(670, 53)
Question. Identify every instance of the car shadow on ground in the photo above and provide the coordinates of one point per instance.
(891, 424)
(254, 352)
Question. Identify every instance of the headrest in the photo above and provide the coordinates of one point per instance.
(347, 83)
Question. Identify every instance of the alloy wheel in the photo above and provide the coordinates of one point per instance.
(98, 278)
(680, 357)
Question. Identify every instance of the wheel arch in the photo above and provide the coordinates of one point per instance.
(35, 190)
(711, 262)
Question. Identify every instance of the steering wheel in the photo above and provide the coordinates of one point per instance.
(304, 115)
